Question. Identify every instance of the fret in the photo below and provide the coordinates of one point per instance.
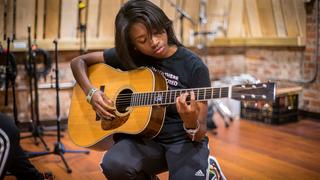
(159, 97)
(212, 93)
(139, 99)
(197, 94)
(172, 95)
(178, 93)
(202, 97)
(204, 94)
(147, 99)
(155, 97)
(208, 93)
(227, 92)
(144, 98)
(224, 92)
(162, 97)
(151, 98)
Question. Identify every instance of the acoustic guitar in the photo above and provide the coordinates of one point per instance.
(140, 98)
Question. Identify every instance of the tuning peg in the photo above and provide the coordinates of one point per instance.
(264, 97)
(243, 86)
(253, 96)
(264, 85)
(243, 96)
(254, 86)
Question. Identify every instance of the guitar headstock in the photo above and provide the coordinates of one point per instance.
(255, 92)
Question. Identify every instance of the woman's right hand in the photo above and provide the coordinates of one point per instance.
(103, 106)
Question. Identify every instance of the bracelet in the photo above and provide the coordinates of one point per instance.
(90, 94)
(192, 132)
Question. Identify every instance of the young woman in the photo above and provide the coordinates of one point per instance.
(144, 37)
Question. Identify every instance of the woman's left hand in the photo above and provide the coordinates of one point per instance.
(188, 112)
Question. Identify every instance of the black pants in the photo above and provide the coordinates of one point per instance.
(12, 157)
(133, 158)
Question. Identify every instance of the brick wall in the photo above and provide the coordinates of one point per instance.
(289, 66)
(310, 95)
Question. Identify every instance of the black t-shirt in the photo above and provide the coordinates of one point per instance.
(182, 70)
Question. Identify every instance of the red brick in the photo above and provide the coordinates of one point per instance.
(315, 103)
(307, 58)
(310, 49)
(310, 95)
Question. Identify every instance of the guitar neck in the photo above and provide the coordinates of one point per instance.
(169, 97)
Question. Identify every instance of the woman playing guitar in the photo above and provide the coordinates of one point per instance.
(144, 36)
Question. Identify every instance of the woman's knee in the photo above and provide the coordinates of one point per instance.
(117, 168)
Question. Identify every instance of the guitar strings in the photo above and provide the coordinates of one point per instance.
(127, 104)
(200, 91)
(156, 94)
(124, 102)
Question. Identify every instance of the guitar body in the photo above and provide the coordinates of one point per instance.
(86, 128)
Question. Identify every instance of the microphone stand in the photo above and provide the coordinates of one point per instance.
(37, 129)
(7, 74)
(82, 28)
(59, 148)
(182, 16)
(11, 76)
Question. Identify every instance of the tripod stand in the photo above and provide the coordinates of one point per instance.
(37, 129)
(59, 148)
(182, 16)
(11, 73)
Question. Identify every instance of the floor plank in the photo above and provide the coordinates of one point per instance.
(245, 150)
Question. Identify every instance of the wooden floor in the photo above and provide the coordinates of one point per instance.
(245, 150)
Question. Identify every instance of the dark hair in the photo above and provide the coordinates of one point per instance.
(147, 13)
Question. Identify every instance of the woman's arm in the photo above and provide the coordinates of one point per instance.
(79, 66)
(193, 115)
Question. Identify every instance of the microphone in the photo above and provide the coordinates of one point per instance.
(202, 12)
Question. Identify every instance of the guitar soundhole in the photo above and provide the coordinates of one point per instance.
(123, 100)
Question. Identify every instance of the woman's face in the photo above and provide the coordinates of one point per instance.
(155, 46)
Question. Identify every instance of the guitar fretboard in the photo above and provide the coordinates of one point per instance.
(169, 97)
